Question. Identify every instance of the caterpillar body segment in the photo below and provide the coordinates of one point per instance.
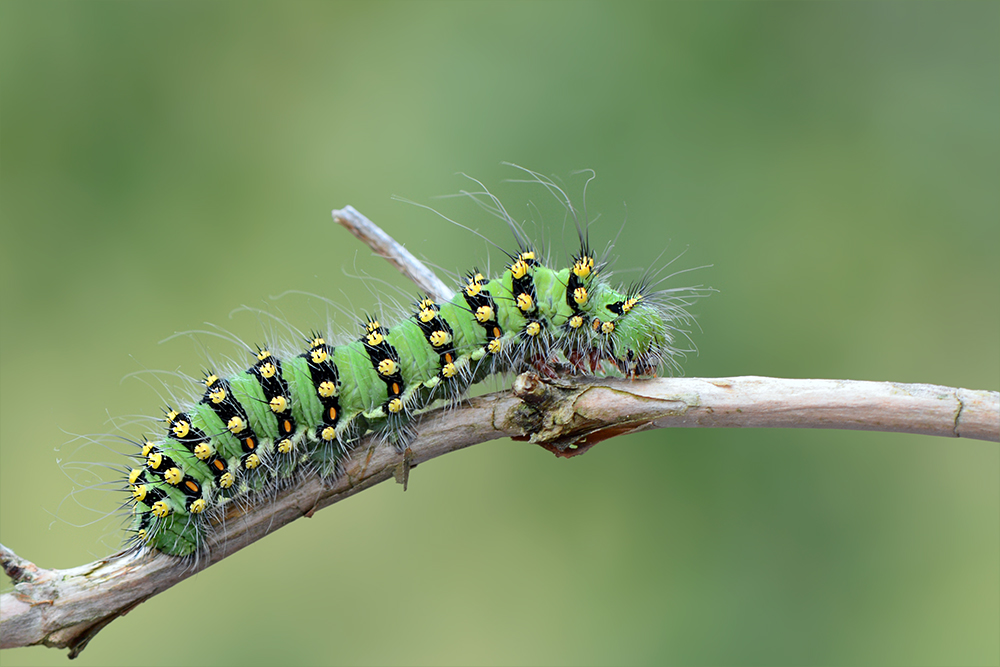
(261, 426)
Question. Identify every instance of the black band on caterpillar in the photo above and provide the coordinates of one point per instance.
(267, 370)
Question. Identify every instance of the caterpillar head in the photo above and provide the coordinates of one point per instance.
(640, 339)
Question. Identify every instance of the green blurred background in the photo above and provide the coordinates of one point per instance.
(837, 163)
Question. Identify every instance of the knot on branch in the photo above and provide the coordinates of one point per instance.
(550, 418)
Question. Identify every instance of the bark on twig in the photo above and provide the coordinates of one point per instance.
(66, 608)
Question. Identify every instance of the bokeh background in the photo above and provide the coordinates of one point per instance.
(837, 163)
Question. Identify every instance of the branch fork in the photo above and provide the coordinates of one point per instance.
(566, 416)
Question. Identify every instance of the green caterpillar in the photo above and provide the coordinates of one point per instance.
(307, 411)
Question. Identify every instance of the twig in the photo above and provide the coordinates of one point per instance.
(66, 608)
(389, 249)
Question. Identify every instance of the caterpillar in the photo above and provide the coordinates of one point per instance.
(305, 411)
